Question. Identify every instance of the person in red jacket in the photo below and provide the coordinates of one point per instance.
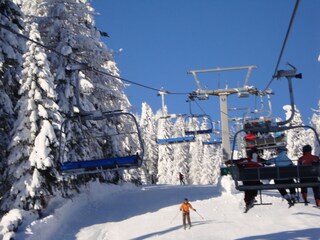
(308, 159)
(185, 208)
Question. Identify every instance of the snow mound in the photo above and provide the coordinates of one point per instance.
(12, 220)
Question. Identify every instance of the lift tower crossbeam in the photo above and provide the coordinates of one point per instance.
(243, 91)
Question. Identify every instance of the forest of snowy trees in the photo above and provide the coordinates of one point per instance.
(54, 66)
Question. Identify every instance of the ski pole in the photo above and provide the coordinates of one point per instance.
(199, 214)
(174, 217)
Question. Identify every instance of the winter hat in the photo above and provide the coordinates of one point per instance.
(307, 148)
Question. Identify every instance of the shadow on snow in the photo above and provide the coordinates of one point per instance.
(159, 233)
(310, 234)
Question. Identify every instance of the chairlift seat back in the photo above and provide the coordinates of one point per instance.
(108, 163)
(176, 140)
(86, 142)
(284, 172)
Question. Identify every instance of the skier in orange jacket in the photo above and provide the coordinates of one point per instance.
(185, 208)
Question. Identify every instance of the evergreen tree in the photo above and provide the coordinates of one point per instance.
(195, 154)
(148, 132)
(11, 51)
(217, 162)
(68, 28)
(315, 123)
(165, 151)
(33, 133)
(209, 163)
(296, 137)
(180, 153)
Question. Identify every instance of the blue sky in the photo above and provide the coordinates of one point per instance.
(162, 40)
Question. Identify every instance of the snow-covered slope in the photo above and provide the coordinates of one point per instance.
(108, 212)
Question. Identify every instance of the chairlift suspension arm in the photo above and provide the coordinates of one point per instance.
(270, 106)
(289, 74)
(76, 69)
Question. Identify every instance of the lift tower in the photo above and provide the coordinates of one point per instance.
(203, 94)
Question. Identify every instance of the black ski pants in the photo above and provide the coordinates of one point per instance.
(283, 191)
(316, 190)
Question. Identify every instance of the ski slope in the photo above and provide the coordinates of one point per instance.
(108, 212)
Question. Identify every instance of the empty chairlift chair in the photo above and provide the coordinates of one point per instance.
(91, 144)
(177, 123)
(198, 124)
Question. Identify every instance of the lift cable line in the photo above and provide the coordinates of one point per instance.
(284, 44)
(85, 64)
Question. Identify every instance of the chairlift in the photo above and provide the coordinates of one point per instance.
(191, 130)
(203, 124)
(256, 136)
(100, 136)
(95, 141)
(176, 140)
(214, 141)
(182, 138)
(270, 128)
(259, 135)
(215, 138)
(296, 172)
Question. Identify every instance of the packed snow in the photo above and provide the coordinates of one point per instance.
(112, 212)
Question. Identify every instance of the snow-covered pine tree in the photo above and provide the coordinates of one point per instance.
(148, 132)
(165, 156)
(210, 164)
(297, 137)
(209, 159)
(195, 153)
(11, 51)
(315, 123)
(68, 28)
(180, 153)
(31, 158)
(217, 162)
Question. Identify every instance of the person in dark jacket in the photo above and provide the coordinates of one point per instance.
(181, 178)
(308, 159)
